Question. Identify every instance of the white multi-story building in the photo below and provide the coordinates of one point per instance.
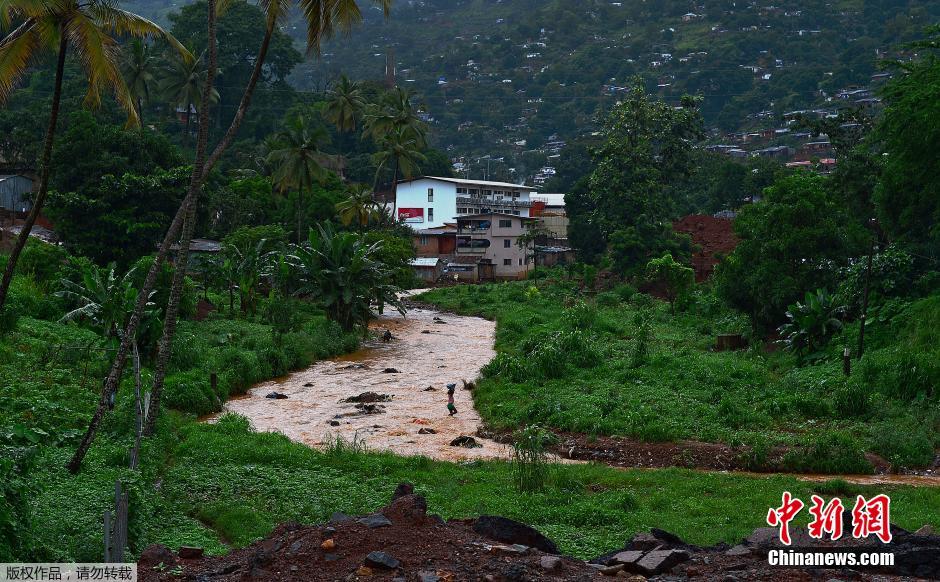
(430, 202)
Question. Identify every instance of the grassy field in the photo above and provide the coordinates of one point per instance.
(222, 486)
(622, 364)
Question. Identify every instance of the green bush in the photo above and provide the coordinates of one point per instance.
(852, 399)
(901, 373)
(828, 452)
(43, 262)
(905, 447)
(191, 392)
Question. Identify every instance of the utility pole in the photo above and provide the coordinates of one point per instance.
(871, 251)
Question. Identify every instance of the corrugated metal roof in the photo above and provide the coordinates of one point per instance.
(424, 262)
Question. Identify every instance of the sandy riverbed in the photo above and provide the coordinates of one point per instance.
(427, 354)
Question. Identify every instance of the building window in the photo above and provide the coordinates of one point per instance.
(507, 244)
(461, 190)
(430, 215)
(430, 194)
(425, 240)
(505, 223)
(507, 262)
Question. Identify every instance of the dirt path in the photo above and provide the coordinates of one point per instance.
(429, 350)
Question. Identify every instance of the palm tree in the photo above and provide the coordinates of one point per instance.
(88, 28)
(298, 160)
(345, 274)
(359, 207)
(345, 105)
(393, 112)
(103, 298)
(400, 150)
(138, 68)
(183, 83)
(323, 18)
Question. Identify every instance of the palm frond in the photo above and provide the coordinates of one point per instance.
(16, 52)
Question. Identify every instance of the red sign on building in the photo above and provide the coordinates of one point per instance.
(411, 215)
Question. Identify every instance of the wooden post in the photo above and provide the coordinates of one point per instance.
(107, 535)
(861, 329)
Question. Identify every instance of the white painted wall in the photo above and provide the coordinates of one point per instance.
(415, 195)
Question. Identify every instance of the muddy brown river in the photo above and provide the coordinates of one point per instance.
(428, 351)
(410, 417)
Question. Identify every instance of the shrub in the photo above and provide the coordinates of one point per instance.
(829, 452)
(608, 299)
(644, 330)
(625, 291)
(907, 446)
(852, 399)
(190, 392)
(529, 458)
(43, 261)
(901, 373)
(811, 323)
(506, 366)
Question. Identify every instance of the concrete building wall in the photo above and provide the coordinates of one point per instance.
(434, 212)
(494, 237)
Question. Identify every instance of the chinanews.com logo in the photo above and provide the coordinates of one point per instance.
(870, 517)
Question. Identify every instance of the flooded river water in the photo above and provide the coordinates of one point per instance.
(428, 351)
(409, 376)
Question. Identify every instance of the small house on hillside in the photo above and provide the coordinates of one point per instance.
(16, 193)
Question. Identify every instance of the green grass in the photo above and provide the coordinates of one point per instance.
(227, 484)
(222, 486)
(574, 363)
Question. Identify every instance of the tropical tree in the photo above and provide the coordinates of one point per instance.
(183, 82)
(358, 208)
(102, 297)
(811, 323)
(345, 105)
(392, 113)
(323, 18)
(345, 274)
(88, 28)
(675, 278)
(139, 68)
(298, 160)
(400, 150)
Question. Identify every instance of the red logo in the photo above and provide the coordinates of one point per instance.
(783, 515)
(869, 517)
(826, 519)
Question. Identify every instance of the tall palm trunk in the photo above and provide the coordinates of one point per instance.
(172, 312)
(395, 193)
(300, 214)
(45, 170)
(130, 333)
(187, 133)
(117, 367)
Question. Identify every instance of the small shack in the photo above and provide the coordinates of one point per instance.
(428, 269)
(16, 193)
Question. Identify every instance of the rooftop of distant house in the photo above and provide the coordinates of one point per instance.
(470, 182)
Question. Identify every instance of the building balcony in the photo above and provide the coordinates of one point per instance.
(493, 202)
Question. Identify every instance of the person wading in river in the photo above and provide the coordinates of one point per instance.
(450, 399)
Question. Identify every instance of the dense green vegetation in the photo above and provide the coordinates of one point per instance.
(307, 255)
(219, 486)
(619, 363)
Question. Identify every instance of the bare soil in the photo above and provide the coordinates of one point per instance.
(403, 542)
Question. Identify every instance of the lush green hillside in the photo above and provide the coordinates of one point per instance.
(525, 70)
